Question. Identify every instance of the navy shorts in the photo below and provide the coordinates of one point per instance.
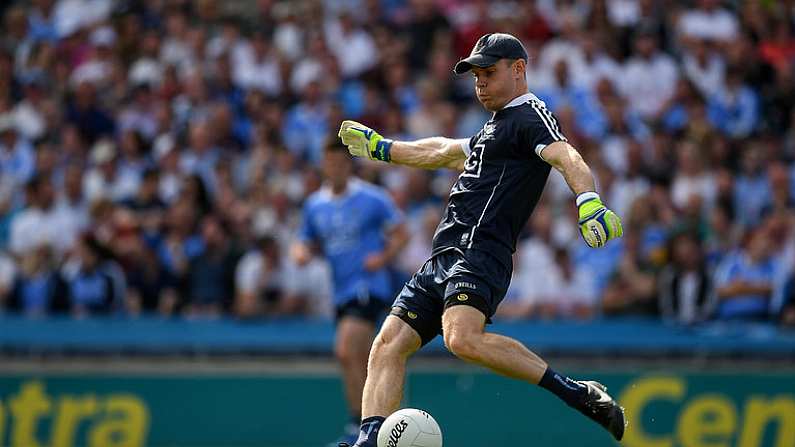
(472, 278)
(371, 309)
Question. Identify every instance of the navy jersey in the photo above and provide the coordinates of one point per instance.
(503, 178)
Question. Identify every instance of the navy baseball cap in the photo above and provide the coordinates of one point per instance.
(489, 49)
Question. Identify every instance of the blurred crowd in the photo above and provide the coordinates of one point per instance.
(155, 154)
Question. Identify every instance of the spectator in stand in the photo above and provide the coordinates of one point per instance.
(650, 75)
(93, 286)
(692, 177)
(210, 275)
(734, 109)
(105, 179)
(704, 67)
(38, 223)
(306, 125)
(259, 278)
(597, 64)
(151, 290)
(780, 198)
(566, 292)
(17, 158)
(149, 210)
(352, 45)
(675, 114)
(38, 288)
(202, 154)
(564, 93)
(708, 20)
(534, 265)
(424, 23)
(84, 112)
(631, 290)
(751, 187)
(685, 285)
(744, 280)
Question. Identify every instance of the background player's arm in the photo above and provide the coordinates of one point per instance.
(303, 249)
(301, 253)
(429, 153)
(396, 238)
(563, 157)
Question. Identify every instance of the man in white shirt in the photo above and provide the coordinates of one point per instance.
(257, 66)
(39, 223)
(17, 158)
(353, 46)
(708, 21)
(650, 76)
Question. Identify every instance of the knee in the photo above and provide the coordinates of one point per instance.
(344, 353)
(462, 345)
(350, 351)
(386, 348)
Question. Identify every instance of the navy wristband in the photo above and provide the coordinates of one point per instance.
(382, 150)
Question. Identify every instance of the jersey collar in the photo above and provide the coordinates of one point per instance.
(519, 100)
(354, 185)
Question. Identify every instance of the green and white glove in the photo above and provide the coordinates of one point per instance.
(364, 142)
(597, 223)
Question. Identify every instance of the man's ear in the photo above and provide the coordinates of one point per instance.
(519, 67)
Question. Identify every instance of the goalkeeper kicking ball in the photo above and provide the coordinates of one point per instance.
(410, 428)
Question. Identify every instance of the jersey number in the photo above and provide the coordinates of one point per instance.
(473, 162)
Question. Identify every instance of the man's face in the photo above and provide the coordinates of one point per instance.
(495, 85)
(336, 167)
(46, 194)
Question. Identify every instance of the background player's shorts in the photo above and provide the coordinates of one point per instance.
(473, 278)
(371, 309)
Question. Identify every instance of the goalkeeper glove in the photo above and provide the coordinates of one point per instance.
(597, 223)
(364, 142)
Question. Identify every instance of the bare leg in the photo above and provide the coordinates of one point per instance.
(351, 347)
(464, 336)
(386, 369)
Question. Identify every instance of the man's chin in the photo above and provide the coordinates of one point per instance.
(487, 104)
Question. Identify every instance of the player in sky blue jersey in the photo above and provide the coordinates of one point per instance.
(504, 168)
(358, 229)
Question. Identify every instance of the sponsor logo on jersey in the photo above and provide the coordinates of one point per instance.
(462, 297)
(411, 315)
(488, 132)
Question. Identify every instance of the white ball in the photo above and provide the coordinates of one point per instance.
(410, 427)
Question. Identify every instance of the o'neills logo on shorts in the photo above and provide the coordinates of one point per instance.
(465, 285)
(397, 432)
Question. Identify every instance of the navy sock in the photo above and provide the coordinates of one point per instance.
(352, 427)
(368, 434)
(566, 389)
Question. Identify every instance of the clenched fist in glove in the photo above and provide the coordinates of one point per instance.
(597, 223)
(364, 142)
